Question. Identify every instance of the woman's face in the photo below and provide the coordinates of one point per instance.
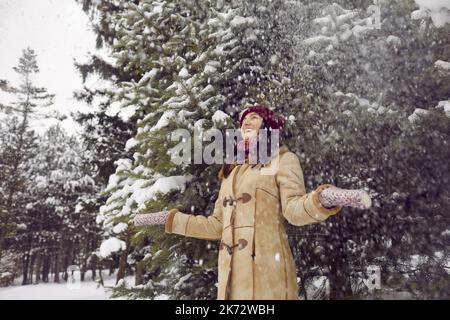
(251, 124)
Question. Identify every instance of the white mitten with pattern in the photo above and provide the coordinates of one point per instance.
(151, 218)
(334, 196)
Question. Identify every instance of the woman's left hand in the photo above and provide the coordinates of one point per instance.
(334, 196)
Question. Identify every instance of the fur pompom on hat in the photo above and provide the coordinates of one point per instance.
(271, 119)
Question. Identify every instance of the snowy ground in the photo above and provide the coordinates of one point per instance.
(88, 290)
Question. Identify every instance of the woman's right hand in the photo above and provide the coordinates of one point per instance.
(151, 218)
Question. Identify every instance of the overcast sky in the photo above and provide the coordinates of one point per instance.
(58, 31)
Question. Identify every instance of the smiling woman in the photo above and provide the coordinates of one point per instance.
(255, 259)
(251, 124)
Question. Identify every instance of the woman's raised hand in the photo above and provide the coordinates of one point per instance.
(151, 218)
(334, 196)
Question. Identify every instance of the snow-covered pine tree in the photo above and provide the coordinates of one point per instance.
(176, 91)
(58, 229)
(253, 52)
(105, 128)
(207, 61)
(26, 101)
(17, 148)
(359, 89)
(337, 98)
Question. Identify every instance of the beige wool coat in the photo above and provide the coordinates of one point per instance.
(255, 260)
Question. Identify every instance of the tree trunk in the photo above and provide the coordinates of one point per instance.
(59, 255)
(38, 268)
(65, 266)
(31, 268)
(303, 287)
(94, 275)
(93, 264)
(111, 268)
(56, 269)
(123, 260)
(51, 267)
(139, 275)
(340, 287)
(1, 241)
(45, 268)
(122, 266)
(100, 276)
(26, 262)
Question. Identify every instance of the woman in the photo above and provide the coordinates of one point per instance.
(255, 260)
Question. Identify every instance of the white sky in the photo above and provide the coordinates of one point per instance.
(58, 31)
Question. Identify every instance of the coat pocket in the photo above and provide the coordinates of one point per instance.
(268, 191)
(268, 185)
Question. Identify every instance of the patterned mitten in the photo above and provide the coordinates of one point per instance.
(334, 196)
(151, 218)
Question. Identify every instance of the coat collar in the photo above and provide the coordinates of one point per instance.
(281, 150)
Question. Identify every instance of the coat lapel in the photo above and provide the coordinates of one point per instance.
(233, 181)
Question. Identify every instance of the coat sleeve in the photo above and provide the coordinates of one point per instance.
(196, 226)
(298, 207)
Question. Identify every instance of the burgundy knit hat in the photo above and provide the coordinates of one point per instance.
(271, 119)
